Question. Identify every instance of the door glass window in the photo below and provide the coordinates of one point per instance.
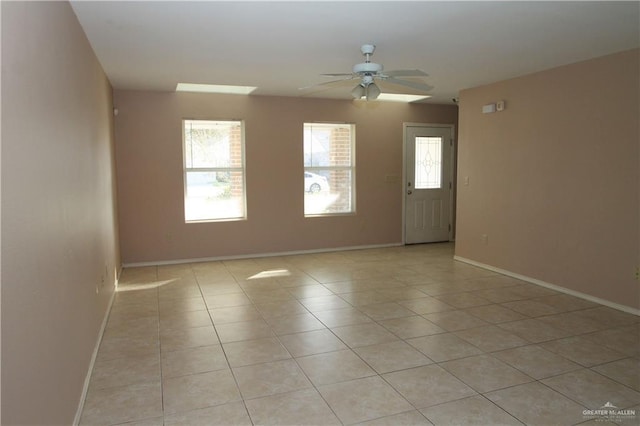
(428, 167)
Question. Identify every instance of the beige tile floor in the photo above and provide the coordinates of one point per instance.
(394, 336)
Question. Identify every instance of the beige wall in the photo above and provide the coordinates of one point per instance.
(59, 232)
(150, 181)
(553, 179)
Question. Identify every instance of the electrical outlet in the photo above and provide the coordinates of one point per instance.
(485, 239)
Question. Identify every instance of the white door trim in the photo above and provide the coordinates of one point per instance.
(452, 128)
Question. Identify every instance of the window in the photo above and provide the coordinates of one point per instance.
(214, 187)
(329, 169)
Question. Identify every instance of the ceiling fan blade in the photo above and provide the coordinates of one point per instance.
(414, 85)
(406, 73)
(339, 74)
(326, 83)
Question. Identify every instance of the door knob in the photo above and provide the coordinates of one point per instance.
(409, 192)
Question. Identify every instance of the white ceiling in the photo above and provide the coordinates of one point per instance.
(282, 46)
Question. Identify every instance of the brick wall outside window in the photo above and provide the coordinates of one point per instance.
(340, 180)
(235, 147)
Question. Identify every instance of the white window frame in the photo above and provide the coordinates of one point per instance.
(241, 169)
(351, 167)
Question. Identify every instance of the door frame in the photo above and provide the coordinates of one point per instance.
(452, 176)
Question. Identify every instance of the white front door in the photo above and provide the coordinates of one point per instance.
(428, 184)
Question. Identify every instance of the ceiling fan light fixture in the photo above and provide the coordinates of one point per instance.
(358, 91)
(373, 91)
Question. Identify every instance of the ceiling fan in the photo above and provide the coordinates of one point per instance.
(367, 72)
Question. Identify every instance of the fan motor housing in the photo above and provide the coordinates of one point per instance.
(367, 67)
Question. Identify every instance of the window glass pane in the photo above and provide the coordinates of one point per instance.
(328, 192)
(214, 195)
(428, 164)
(211, 144)
(327, 145)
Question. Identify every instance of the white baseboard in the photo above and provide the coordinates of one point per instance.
(555, 287)
(87, 378)
(256, 255)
